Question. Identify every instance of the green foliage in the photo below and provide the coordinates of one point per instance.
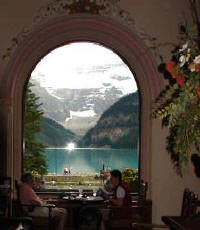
(179, 104)
(34, 159)
(54, 134)
(122, 115)
(128, 141)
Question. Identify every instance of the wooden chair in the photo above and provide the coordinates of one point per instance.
(142, 193)
(189, 209)
(121, 218)
(189, 203)
(5, 196)
(23, 210)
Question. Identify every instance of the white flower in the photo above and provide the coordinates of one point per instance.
(184, 47)
(197, 59)
(182, 60)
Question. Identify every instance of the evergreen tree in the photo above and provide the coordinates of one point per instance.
(34, 159)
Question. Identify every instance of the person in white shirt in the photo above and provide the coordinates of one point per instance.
(120, 193)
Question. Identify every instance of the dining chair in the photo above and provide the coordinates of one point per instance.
(24, 210)
(189, 208)
(5, 196)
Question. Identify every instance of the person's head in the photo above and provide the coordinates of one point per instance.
(28, 178)
(115, 177)
(195, 158)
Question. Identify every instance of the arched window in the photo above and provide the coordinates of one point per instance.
(81, 114)
(58, 30)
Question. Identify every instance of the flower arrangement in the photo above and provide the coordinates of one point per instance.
(130, 179)
(178, 105)
(129, 175)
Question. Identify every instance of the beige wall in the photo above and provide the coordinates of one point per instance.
(159, 19)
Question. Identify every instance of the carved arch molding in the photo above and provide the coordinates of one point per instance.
(59, 23)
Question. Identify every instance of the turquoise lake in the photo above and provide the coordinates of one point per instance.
(88, 160)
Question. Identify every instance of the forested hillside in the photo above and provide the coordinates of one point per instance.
(54, 134)
(118, 127)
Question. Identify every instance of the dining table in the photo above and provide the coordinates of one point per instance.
(73, 205)
(182, 223)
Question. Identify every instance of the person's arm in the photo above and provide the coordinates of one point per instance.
(35, 199)
(120, 194)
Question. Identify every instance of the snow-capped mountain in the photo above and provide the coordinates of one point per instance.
(79, 109)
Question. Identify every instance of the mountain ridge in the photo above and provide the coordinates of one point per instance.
(55, 135)
(118, 127)
(68, 106)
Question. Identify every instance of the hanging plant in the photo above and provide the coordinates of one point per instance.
(178, 105)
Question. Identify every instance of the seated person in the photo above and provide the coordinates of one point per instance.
(120, 193)
(29, 197)
(120, 198)
(108, 186)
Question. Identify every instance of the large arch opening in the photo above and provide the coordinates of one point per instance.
(81, 118)
(63, 30)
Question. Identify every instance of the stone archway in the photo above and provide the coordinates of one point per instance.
(57, 31)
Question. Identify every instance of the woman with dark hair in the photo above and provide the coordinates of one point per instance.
(120, 193)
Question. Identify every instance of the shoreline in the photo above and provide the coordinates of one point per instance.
(70, 175)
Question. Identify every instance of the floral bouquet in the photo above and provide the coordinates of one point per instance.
(179, 104)
(129, 175)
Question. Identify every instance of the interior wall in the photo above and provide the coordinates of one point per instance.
(157, 18)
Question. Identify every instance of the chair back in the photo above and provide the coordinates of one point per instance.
(142, 194)
(5, 196)
(189, 204)
(17, 206)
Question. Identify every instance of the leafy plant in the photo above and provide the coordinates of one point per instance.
(34, 159)
(179, 104)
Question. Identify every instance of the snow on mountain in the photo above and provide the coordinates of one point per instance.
(86, 113)
(78, 101)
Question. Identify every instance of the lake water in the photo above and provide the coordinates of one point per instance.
(88, 160)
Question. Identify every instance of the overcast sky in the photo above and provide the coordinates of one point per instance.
(83, 65)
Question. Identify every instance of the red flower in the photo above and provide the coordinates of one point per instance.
(171, 68)
(179, 80)
(198, 92)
